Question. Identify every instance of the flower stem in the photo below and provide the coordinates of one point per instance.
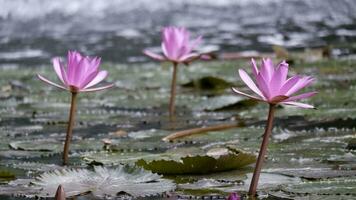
(173, 91)
(262, 153)
(73, 106)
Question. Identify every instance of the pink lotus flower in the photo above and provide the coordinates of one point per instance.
(273, 86)
(176, 46)
(80, 74)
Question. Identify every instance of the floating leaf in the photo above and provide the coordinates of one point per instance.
(209, 83)
(268, 181)
(55, 145)
(339, 186)
(212, 186)
(223, 102)
(23, 154)
(351, 144)
(314, 173)
(114, 158)
(144, 140)
(191, 162)
(203, 186)
(280, 195)
(36, 166)
(20, 187)
(8, 174)
(102, 182)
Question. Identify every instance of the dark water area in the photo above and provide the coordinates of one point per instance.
(33, 31)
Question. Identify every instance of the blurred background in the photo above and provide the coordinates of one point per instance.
(33, 31)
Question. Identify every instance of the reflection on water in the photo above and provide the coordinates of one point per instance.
(33, 31)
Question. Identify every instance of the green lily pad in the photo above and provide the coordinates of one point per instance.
(315, 173)
(351, 144)
(54, 145)
(24, 154)
(209, 83)
(223, 102)
(144, 140)
(267, 182)
(280, 195)
(114, 158)
(192, 162)
(341, 186)
(6, 175)
(36, 166)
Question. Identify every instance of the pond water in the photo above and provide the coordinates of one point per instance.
(33, 31)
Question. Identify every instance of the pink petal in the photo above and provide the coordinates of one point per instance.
(188, 57)
(261, 82)
(254, 67)
(283, 66)
(98, 88)
(57, 68)
(91, 65)
(302, 96)
(70, 62)
(99, 77)
(154, 55)
(79, 72)
(181, 37)
(267, 70)
(289, 84)
(303, 82)
(169, 46)
(75, 59)
(278, 79)
(164, 47)
(298, 104)
(186, 48)
(248, 81)
(196, 42)
(88, 79)
(50, 82)
(247, 95)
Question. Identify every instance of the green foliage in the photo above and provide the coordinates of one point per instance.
(305, 145)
